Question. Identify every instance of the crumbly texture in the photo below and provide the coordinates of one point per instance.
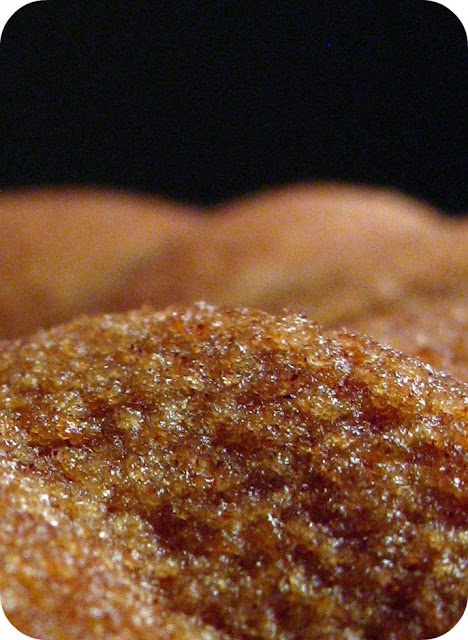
(224, 473)
(432, 329)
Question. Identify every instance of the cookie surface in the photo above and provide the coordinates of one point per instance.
(214, 472)
(336, 252)
(432, 329)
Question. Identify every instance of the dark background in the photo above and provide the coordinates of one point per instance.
(203, 101)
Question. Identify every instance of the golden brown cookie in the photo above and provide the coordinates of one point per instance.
(434, 329)
(63, 251)
(224, 473)
(336, 252)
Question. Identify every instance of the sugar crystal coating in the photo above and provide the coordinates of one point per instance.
(223, 473)
(432, 329)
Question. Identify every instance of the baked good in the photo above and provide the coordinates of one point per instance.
(434, 329)
(210, 472)
(336, 252)
(63, 251)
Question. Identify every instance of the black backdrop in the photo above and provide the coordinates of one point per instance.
(203, 101)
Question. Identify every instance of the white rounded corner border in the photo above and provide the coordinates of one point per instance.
(8, 631)
(9, 8)
(458, 7)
